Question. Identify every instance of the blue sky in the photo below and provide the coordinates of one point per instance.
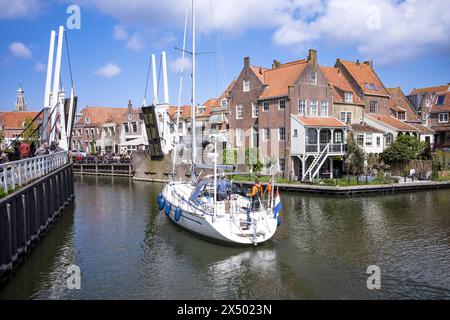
(409, 45)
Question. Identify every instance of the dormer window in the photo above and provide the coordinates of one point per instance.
(201, 109)
(440, 100)
(313, 77)
(87, 120)
(224, 103)
(401, 115)
(348, 97)
(246, 85)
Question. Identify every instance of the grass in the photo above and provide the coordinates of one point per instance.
(251, 178)
(353, 182)
(443, 176)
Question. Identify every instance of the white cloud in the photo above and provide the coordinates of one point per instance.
(108, 71)
(180, 62)
(20, 50)
(120, 33)
(10, 9)
(40, 67)
(384, 30)
(135, 42)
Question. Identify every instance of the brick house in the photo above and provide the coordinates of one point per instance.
(265, 103)
(433, 104)
(12, 123)
(93, 125)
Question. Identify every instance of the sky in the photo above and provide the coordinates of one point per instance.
(110, 46)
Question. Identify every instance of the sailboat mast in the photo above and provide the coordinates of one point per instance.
(194, 147)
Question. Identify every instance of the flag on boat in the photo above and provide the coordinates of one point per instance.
(278, 206)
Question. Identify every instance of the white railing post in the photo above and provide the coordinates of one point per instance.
(5, 179)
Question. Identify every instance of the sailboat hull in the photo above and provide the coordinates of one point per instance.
(226, 228)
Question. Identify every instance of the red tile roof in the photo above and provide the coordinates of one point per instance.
(363, 74)
(259, 71)
(15, 119)
(399, 102)
(320, 121)
(434, 89)
(393, 122)
(340, 84)
(365, 128)
(445, 107)
(101, 115)
(422, 129)
(279, 80)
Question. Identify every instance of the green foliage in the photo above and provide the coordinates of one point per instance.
(252, 159)
(404, 149)
(229, 156)
(29, 127)
(355, 157)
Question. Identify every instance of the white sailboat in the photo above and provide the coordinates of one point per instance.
(193, 205)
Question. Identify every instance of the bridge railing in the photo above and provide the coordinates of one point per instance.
(19, 173)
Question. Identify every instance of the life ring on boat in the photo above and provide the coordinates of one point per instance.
(161, 203)
(167, 209)
(278, 221)
(177, 214)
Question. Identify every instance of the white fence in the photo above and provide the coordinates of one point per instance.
(19, 173)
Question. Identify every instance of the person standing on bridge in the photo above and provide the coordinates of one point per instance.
(24, 150)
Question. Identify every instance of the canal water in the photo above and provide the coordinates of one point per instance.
(127, 250)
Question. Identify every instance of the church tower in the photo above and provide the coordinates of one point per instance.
(20, 102)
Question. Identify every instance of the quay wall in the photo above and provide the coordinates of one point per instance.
(26, 215)
(103, 169)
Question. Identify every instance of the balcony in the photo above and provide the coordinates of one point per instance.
(335, 148)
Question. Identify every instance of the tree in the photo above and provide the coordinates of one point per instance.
(30, 133)
(354, 160)
(404, 149)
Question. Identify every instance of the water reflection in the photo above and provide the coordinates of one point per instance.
(126, 249)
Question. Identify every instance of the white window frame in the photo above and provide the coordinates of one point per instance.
(388, 143)
(444, 115)
(368, 139)
(253, 131)
(378, 139)
(314, 105)
(266, 134)
(246, 85)
(313, 77)
(255, 110)
(239, 110)
(358, 136)
(324, 104)
(264, 105)
(224, 103)
(346, 115)
(279, 134)
(239, 137)
(348, 97)
(302, 105)
(279, 104)
(401, 112)
(279, 164)
(376, 106)
(295, 135)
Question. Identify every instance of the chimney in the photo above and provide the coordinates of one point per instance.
(369, 63)
(246, 62)
(130, 107)
(312, 56)
(276, 64)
